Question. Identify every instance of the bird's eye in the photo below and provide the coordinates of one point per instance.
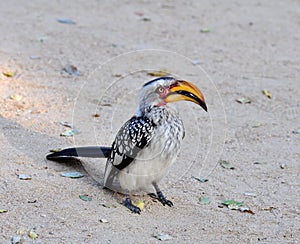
(160, 89)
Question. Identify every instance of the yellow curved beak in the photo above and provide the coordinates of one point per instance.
(183, 90)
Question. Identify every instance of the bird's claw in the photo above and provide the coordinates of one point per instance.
(164, 200)
(131, 207)
(168, 202)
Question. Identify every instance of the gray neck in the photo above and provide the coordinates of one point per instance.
(159, 115)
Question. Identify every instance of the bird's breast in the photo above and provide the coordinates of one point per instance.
(152, 163)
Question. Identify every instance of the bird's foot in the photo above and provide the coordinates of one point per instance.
(160, 196)
(164, 200)
(131, 207)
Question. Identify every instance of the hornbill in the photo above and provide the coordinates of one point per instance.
(147, 144)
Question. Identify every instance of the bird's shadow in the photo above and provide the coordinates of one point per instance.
(33, 145)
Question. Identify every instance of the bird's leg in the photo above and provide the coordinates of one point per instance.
(161, 196)
(130, 206)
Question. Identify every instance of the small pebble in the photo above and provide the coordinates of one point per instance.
(250, 194)
(296, 131)
(163, 237)
(66, 21)
(24, 177)
(195, 62)
(16, 240)
(35, 57)
(283, 166)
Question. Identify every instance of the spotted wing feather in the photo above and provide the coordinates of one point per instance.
(133, 136)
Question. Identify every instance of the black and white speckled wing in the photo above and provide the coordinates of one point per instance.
(133, 136)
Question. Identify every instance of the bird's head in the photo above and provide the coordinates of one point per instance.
(165, 90)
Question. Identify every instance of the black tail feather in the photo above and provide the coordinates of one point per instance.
(89, 152)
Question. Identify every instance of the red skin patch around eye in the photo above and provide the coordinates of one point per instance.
(163, 95)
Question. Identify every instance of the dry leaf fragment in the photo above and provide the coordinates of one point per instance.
(21, 231)
(72, 175)
(196, 61)
(107, 205)
(24, 177)
(32, 201)
(204, 200)
(250, 194)
(71, 70)
(16, 97)
(85, 197)
(255, 124)
(296, 131)
(232, 204)
(43, 39)
(67, 124)
(246, 210)
(66, 21)
(243, 100)
(55, 150)
(205, 30)
(9, 73)
(34, 57)
(32, 234)
(3, 210)
(226, 164)
(146, 19)
(283, 166)
(267, 93)
(105, 104)
(159, 73)
(70, 132)
(103, 220)
(163, 237)
(271, 208)
(140, 204)
(16, 240)
(202, 180)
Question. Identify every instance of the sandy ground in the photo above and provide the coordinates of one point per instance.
(237, 48)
